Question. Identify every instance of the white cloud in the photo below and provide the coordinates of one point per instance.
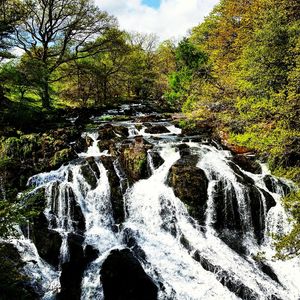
(171, 20)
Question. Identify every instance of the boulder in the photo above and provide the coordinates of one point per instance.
(76, 213)
(199, 128)
(133, 158)
(157, 160)
(184, 150)
(106, 132)
(121, 130)
(130, 241)
(190, 186)
(90, 253)
(124, 278)
(157, 129)
(247, 164)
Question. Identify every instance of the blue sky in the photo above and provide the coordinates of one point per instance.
(168, 19)
(152, 3)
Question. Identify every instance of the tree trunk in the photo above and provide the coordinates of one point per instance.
(46, 95)
(105, 90)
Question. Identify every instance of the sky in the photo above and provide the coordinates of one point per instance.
(169, 19)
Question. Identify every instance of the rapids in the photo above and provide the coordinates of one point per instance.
(185, 260)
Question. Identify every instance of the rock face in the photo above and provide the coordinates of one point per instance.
(258, 210)
(47, 241)
(25, 155)
(116, 196)
(123, 278)
(133, 159)
(224, 139)
(157, 160)
(226, 279)
(226, 207)
(274, 185)
(14, 284)
(190, 185)
(90, 172)
(72, 271)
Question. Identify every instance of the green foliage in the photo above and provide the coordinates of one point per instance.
(20, 211)
(248, 83)
(288, 246)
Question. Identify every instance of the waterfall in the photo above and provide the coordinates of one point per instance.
(185, 259)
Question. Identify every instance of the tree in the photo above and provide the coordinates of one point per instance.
(59, 31)
(11, 13)
(98, 78)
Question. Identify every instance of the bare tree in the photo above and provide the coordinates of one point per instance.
(58, 31)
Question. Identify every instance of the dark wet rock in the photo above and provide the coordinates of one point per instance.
(226, 278)
(121, 130)
(108, 145)
(270, 201)
(133, 159)
(123, 278)
(157, 160)
(240, 176)
(47, 241)
(226, 207)
(90, 253)
(106, 132)
(257, 197)
(258, 211)
(275, 185)
(185, 242)
(268, 271)
(247, 164)
(116, 196)
(90, 172)
(234, 240)
(130, 241)
(198, 128)
(14, 284)
(184, 150)
(72, 271)
(75, 212)
(82, 143)
(190, 186)
(157, 129)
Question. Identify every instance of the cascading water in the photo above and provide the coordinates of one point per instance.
(185, 260)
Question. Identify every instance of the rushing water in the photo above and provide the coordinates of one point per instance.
(158, 220)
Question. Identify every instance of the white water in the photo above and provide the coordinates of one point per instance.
(158, 220)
